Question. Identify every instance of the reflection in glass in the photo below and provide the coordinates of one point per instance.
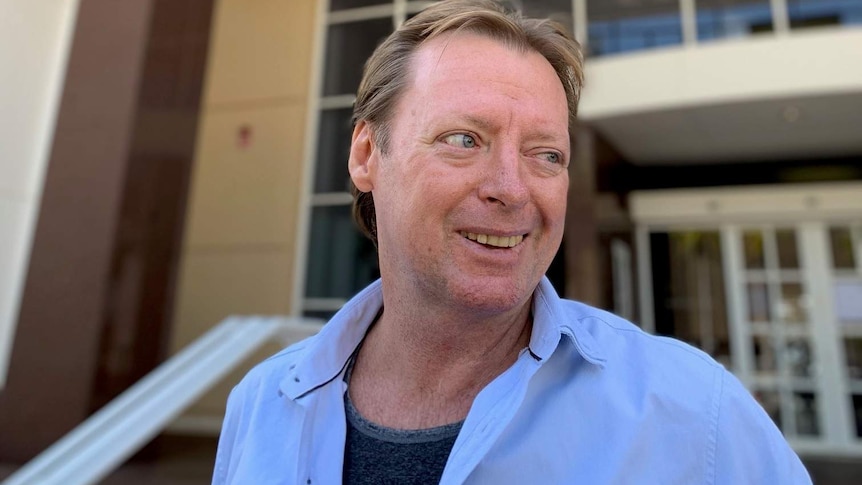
(343, 260)
(348, 45)
(805, 407)
(788, 254)
(771, 402)
(819, 13)
(793, 306)
(345, 4)
(841, 242)
(857, 413)
(629, 25)
(758, 302)
(559, 10)
(689, 290)
(323, 315)
(853, 354)
(752, 243)
(333, 149)
(765, 359)
(797, 355)
(732, 18)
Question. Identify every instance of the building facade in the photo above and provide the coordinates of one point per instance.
(716, 193)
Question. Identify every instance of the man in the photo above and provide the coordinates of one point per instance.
(462, 365)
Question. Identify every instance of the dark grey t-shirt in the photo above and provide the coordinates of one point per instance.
(375, 454)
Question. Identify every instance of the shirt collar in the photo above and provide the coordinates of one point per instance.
(325, 356)
(551, 321)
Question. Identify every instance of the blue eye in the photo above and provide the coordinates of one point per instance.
(553, 157)
(461, 140)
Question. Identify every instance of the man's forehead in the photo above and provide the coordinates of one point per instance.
(453, 56)
(468, 46)
(474, 67)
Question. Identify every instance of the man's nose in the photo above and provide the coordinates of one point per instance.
(504, 180)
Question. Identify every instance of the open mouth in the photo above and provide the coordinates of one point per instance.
(494, 241)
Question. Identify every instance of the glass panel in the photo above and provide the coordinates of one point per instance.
(559, 10)
(788, 254)
(732, 18)
(853, 354)
(771, 402)
(857, 413)
(758, 302)
(752, 243)
(345, 4)
(818, 13)
(793, 306)
(347, 47)
(688, 287)
(805, 407)
(842, 248)
(630, 25)
(847, 295)
(324, 315)
(797, 355)
(341, 261)
(333, 149)
(765, 361)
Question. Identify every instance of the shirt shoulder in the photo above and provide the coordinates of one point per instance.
(269, 373)
(690, 397)
(254, 408)
(617, 339)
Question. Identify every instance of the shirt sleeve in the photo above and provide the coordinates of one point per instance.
(748, 447)
(226, 441)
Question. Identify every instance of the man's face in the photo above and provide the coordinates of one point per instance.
(471, 195)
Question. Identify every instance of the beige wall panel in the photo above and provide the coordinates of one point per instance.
(260, 49)
(217, 284)
(244, 201)
(247, 195)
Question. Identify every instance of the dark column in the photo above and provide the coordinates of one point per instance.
(95, 305)
(581, 237)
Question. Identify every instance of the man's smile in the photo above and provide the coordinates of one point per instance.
(495, 241)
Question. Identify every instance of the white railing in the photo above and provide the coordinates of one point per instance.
(112, 434)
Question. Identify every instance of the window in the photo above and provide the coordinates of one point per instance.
(718, 19)
(626, 25)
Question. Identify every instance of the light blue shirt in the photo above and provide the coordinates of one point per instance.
(594, 400)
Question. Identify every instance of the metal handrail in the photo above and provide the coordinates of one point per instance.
(111, 435)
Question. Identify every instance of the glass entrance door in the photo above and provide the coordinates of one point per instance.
(780, 305)
(772, 281)
(845, 281)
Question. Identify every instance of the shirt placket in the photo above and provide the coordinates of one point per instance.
(492, 410)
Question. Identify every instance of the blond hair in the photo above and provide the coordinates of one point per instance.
(386, 73)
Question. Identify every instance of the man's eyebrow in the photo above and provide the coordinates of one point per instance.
(535, 134)
(478, 121)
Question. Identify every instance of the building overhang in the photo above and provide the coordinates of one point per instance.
(761, 98)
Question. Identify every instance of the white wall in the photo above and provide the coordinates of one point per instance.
(809, 62)
(35, 38)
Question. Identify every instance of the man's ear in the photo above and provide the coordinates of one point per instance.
(363, 157)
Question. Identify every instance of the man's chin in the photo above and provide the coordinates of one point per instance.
(488, 298)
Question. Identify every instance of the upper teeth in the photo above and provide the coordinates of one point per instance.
(496, 241)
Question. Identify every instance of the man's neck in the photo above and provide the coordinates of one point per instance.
(416, 372)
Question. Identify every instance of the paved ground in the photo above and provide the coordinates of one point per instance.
(174, 460)
(168, 460)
